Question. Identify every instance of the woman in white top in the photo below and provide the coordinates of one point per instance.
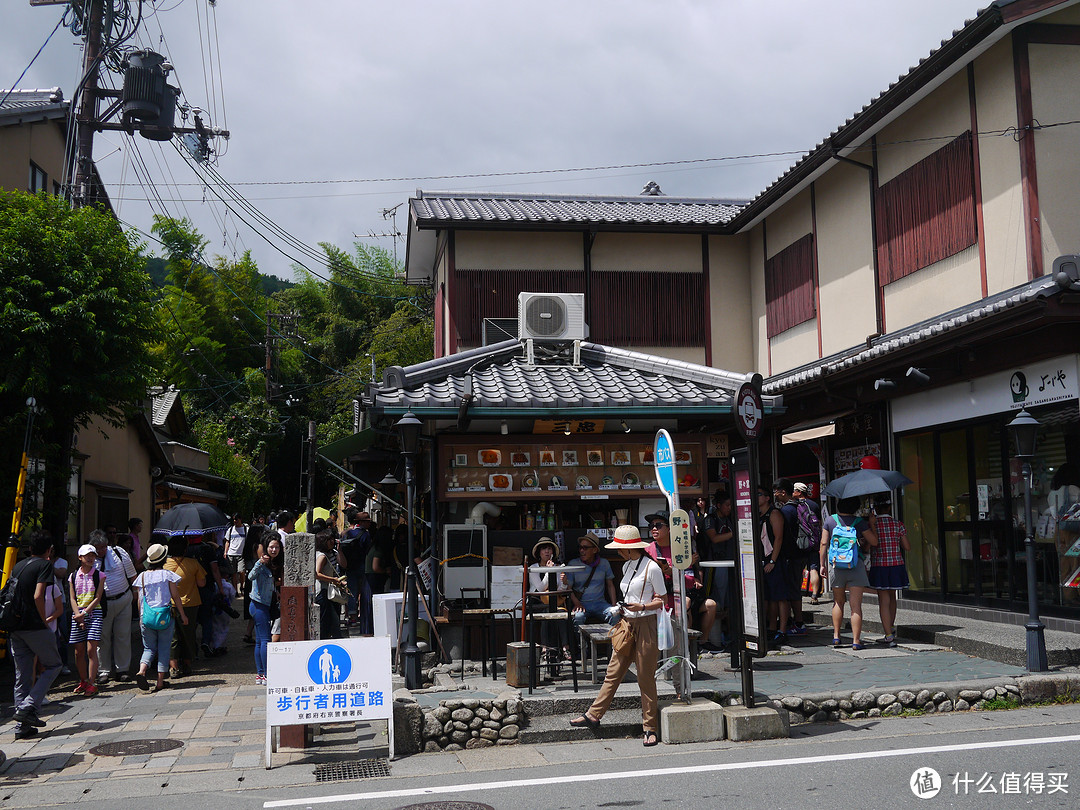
(158, 595)
(643, 596)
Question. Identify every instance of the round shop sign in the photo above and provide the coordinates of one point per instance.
(329, 664)
(749, 411)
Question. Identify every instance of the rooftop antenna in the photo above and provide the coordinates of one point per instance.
(391, 214)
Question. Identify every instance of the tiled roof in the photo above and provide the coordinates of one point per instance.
(608, 380)
(24, 105)
(959, 318)
(163, 400)
(431, 209)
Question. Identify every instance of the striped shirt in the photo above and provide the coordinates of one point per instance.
(889, 530)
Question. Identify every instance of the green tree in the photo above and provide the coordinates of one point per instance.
(76, 318)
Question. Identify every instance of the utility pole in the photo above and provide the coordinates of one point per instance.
(87, 117)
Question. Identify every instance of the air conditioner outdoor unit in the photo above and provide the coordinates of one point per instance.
(551, 316)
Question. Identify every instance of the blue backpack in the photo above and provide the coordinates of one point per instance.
(843, 545)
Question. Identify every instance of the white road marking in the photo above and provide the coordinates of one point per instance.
(695, 769)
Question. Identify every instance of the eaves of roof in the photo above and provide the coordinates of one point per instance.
(32, 106)
(939, 327)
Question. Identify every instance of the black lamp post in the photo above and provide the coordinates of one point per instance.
(408, 428)
(1025, 429)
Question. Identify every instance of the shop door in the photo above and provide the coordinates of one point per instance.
(975, 520)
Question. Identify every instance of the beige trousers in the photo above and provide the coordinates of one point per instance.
(643, 654)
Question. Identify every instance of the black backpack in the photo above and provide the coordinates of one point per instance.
(11, 606)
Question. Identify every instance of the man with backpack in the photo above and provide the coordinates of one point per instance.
(788, 552)
(354, 547)
(30, 633)
(808, 513)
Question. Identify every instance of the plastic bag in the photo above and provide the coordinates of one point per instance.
(665, 631)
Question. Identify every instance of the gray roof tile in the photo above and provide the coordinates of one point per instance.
(439, 208)
(608, 379)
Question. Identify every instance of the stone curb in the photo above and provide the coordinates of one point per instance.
(456, 723)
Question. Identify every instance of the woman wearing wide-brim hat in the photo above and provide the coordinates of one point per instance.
(643, 594)
(553, 635)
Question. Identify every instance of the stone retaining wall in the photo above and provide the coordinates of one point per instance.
(457, 723)
(927, 700)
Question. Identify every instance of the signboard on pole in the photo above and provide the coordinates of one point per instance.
(666, 478)
(664, 464)
(682, 547)
(336, 681)
(749, 558)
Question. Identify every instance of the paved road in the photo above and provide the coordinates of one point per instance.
(864, 764)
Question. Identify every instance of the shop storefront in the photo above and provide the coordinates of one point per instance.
(554, 449)
(965, 510)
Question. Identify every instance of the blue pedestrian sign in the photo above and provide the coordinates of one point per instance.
(329, 664)
(664, 463)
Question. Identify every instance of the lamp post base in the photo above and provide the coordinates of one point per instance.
(1036, 648)
(413, 677)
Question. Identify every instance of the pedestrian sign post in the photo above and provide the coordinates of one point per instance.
(681, 550)
(331, 681)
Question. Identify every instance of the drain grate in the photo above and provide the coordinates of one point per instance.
(448, 806)
(130, 748)
(356, 769)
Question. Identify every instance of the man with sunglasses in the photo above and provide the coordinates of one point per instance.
(698, 602)
(593, 590)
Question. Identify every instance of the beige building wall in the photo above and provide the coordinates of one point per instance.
(845, 251)
(42, 143)
(1055, 97)
(116, 456)
(729, 303)
(648, 252)
(518, 250)
(788, 224)
(756, 272)
(795, 347)
(941, 116)
(948, 284)
(688, 354)
(999, 161)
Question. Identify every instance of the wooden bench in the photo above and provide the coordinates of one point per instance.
(595, 636)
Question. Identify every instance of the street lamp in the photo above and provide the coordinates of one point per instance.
(1024, 429)
(408, 428)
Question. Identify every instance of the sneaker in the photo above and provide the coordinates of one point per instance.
(797, 630)
(81, 688)
(65, 670)
(779, 639)
(206, 651)
(23, 731)
(260, 680)
(892, 640)
(91, 690)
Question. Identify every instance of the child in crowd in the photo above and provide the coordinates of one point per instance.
(87, 591)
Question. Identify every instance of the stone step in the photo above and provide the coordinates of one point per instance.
(617, 724)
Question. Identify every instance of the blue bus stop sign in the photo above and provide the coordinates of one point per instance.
(664, 462)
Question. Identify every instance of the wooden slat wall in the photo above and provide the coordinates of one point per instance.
(648, 309)
(480, 294)
(789, 286)
(927, 213)
(628, 308)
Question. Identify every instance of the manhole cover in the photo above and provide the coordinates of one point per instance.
(448, 806)
(129, 748)
(357, 769)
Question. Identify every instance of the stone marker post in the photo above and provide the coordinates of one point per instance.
(299, 613)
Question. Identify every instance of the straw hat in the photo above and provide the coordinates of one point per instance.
(156, 553)
(545, 541)
(626, 537)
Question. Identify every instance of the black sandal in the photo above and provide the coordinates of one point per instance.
(649, 740)
(585, 722)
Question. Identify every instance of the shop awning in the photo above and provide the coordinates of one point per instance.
(349, 446)
(196, 491)
(814, 429)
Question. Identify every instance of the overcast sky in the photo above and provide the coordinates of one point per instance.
(352, 90)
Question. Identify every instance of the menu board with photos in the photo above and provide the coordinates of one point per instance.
(540, 467)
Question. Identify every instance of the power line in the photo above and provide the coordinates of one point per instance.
(34, 59)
